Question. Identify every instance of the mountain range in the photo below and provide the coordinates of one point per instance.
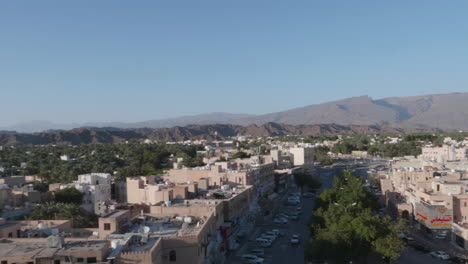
(439, 111)
(81, 136)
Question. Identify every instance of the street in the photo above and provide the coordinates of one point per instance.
(282, 251)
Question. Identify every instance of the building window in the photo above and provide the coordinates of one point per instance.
(172, 256)
(80, 260)
(56, 261)
(91, 260)
(107, 226)
(464, 204)
(4, 262)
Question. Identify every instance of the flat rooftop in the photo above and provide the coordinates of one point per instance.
(114, 214)
(166, 227)
(41, 250)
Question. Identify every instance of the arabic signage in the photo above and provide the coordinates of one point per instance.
(434, 216)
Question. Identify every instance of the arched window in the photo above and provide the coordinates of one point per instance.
(172, 256)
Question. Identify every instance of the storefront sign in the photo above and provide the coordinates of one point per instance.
(434, 216)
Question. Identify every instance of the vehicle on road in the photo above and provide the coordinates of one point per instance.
(409, 240)
(268, 236)
(299, 210)
(295, 239)
(259, 252)
(295, 217)
(308, 194)
(253, 259)
(440, 255)
(280, 221)
(278, 232)
(263, 242)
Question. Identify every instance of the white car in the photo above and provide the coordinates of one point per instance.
(269, 237)
(263, 242)
(259, 252)
(440, 255)
(295, 240)
(278, 232)
(253, 259)
(280, 221)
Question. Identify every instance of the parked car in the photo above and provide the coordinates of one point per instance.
(299, 210)
(295, 217)
(295, 239)
(253, 259)
(269, 236)
(440, 255)
(263, 242)
(280, 221)
(441, 236)
(278, 232)
(308, 194)
(259, 252)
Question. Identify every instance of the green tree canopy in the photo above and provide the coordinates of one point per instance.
(240, 155)
(69, 195)
(64, 211)
(345, 226)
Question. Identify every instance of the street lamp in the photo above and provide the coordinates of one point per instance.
(345, 207)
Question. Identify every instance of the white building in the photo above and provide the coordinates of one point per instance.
(302, 156)
(96, 188)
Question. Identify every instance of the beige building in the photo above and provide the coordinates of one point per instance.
(444, 153)
(434, 197)
(53, 250)
(257, 171)
(302, 156)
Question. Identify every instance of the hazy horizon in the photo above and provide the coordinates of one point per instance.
(88, 61)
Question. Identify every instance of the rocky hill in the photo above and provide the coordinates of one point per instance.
(208, 132)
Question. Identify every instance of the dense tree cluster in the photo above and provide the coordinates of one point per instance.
(64, 211)
(122, 159)
(321, 155)
(346, 228)
(69, 195)
(306, 180)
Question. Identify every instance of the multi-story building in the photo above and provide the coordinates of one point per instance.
(436, 198)
(257, 171)
(444, 153)
(96, 188)
(281, 158)
(302, 156)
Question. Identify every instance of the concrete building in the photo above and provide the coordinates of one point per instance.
(302, 156)
(444, 153)
(257, 171)
(96, 188)
(13, 181)
(434, 197)
(53, 250)
(281, 158)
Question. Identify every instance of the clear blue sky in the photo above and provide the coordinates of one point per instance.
(80, 61)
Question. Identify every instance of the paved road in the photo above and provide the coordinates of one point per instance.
(282, 252)
(412, 256)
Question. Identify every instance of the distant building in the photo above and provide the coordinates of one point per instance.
(96, 188)
(444, 153)
(302, 156)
